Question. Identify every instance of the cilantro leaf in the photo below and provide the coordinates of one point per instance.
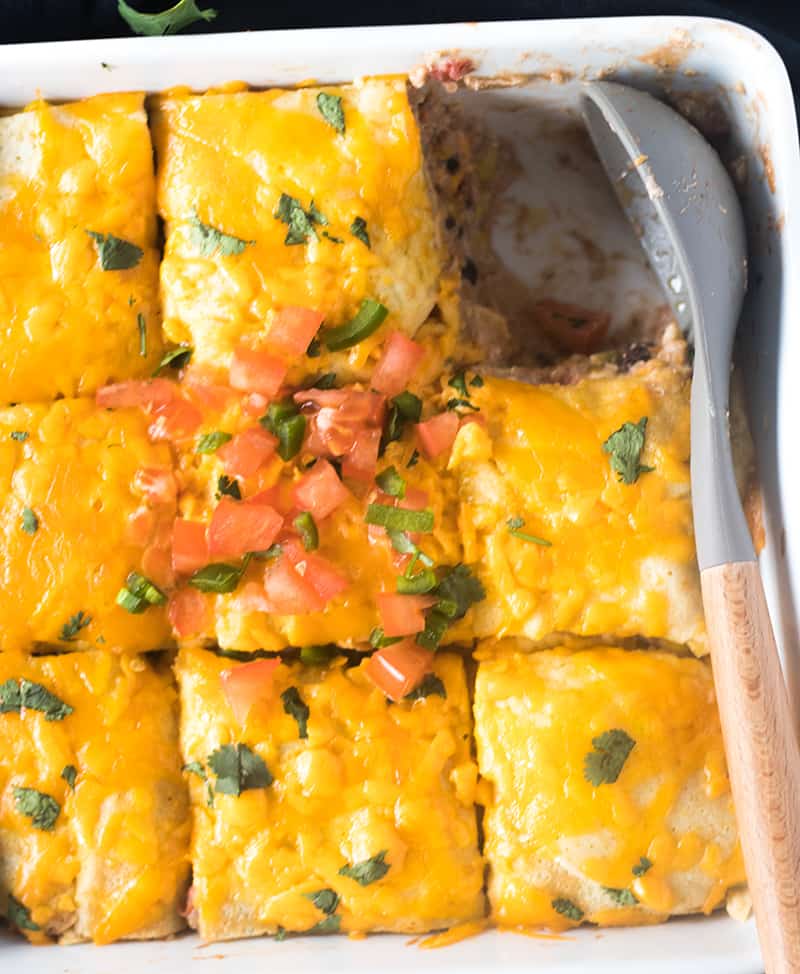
(141, 324)
(219, 577)
(238, 769)
(211, 442)
(324, 899)
(331, 924)
(642, 866)
(69, 773)
(514, 524)
(368, 870)
(358, 228)
(209, 240)
(391, 483)
(115, 253)
(175, 358)
(294, 706)
(604, 764)
(73, 626)
(622, 897)
(170, 21)
(567, 909)
(14, 696)
(40, 808)
(194, 767)
(430, 686)
(19, 435)
(413, 460)
(317, 655)
(299, 221)
(19, 915)
(30, 522)
(459, 383)
(625, 446)
(461, 588)
(330, 108)
(228, 487)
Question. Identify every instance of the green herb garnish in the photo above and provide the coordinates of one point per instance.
(141, 324)
(459, 383)
(358, 228)
(369, 317)
(40, 808)
(604, 764)
(419, 584)
(73, 626)
(330, 108)
(403, 409)
(284, 420)
(30, 522)
(391, 483)
(306, 527)
(219, 577)
(399, 518)
(457, 590)
(294, 706)
(228, 487)
(625, 446)
(175, 358)
(642, 866)
(514, 525)
(139, 593)
(331, 924)
(19, 435)
(430, 686)
(413, 460)
(324, 899)
(317, 655)
(69, 773)
(210, 241)
(369, 870)
(567, 909)
(170, 21)
(622, 897)
(238, 769)
(27, 695)
(115, 253)
(19, 915)
(378, 640)
(211, 442)
(299, 221)
(194, 767)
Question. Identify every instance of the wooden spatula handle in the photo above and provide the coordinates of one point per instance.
(763, 754)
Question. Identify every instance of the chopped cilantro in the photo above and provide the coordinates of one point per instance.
(416, 584)
(141, 324)
(458, 381)
(358, 228)
(369, 870)
(30, 522)
(194, 767)
(19, 915)
(238, 769)
(324, 899)
(228, 487)
(175, 358)
(317, 655)
(170, 21)
(391, 483)
(378, 640)
(642, 866)
(622, 897)
(625, 446)
(115, 253)
(330, 924)
(567, 909)
(211, 442)
(456, 404)
(314, 349)
(330, 108)
(294, 706)
(476, 381)
(413, 460)
(457, 590)
(299, 221)
(209, 240)
(19, 435)
(514, 524)
(69, 773)
(403, 409)
(40, 808)
(25, 694)
(219, 577)
(73, 626)
(604, 764)
(430, 686)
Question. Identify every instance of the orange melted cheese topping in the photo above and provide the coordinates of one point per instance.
(67, 325)
(370, 777)
(75, 471)
(621, 557)
(552, 835)
(115, 863)
(258, 146)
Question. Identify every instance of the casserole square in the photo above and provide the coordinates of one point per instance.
(607, 796)
(78, 514)
(94, 816)
(78, 256)
(365, 824)
(325, 204)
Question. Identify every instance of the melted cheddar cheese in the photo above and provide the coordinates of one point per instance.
(67, 325)
(73, 467)
(114, 864)
(371, 777)
(553, 836)
(620, 560)
(227, 158)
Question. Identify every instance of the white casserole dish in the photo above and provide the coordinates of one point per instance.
(683, 54)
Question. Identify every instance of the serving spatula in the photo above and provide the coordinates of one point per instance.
(683, 206)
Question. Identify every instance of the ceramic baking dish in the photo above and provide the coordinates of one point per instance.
(556, 223)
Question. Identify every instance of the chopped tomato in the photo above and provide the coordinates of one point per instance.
(240, 526)
(255, 404)
(148, 393)
(399, 361)
(140, 525)
(288, 592)
(156, 484)
(292, 330)
(247, 451)
(189, 546)
(574, 328)
(203, 386)
(402, 615)
(414, 500)
(176, 420)
(362, 459)
(354, 405)
(157, 565)
(436, 435)
(187, 611)
(326, 579)
(257, 370)
(397, 670)
(245, 685)
(320, 491)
